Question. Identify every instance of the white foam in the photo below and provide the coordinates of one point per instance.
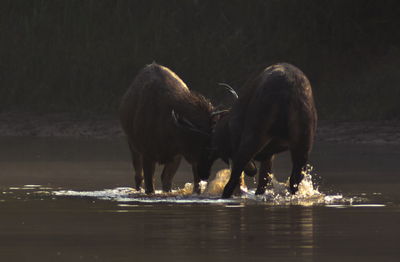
(358, 205)
(276, 194)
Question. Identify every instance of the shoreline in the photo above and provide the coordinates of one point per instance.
(107, 126)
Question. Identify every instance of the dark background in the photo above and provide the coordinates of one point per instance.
(80, 56)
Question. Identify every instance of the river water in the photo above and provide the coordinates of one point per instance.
(64, 199)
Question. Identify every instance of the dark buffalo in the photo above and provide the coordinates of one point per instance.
(164, 120)
(276, 113)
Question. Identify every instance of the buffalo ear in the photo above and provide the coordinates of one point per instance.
(185, 124)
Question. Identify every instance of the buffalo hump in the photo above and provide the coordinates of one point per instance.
(146, 114)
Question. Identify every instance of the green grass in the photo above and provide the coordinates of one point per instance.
(79, 56)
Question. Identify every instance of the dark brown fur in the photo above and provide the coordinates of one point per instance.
(276, 113)
(153, 135)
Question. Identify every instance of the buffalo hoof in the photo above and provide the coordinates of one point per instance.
(294, 183)
(149, 192)
(196, 190)
(225, 196)
(260, 191)
(167, 188)
(293, 189)
(250, 169)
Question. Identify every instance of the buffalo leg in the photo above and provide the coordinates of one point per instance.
(299, 160)
(148, 168)
(263, 176)
(138, 166)
(246, 152)
(301, 134)
(266, 166)
(196, 180)
(234, 180)
(168, 173)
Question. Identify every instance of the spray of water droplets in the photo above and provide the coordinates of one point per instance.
(276, 194)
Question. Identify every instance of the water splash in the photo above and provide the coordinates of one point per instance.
(308, 193)
(216, 186)
(276, 194)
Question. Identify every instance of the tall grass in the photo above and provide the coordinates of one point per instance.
(74, 55)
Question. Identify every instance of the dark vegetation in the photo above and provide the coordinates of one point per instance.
(80, 56)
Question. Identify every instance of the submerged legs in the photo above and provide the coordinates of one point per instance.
(196, 180)
(263, 176)
(168, 173)
(137, 163)
(148, 168)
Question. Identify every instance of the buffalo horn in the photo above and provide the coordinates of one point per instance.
(219, 112)
(184, 123)
(230, 89)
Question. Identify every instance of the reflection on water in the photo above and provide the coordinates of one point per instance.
(68, 228)
(123, 224)
(174, 226)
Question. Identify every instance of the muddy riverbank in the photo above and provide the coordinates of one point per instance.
(106, 126)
